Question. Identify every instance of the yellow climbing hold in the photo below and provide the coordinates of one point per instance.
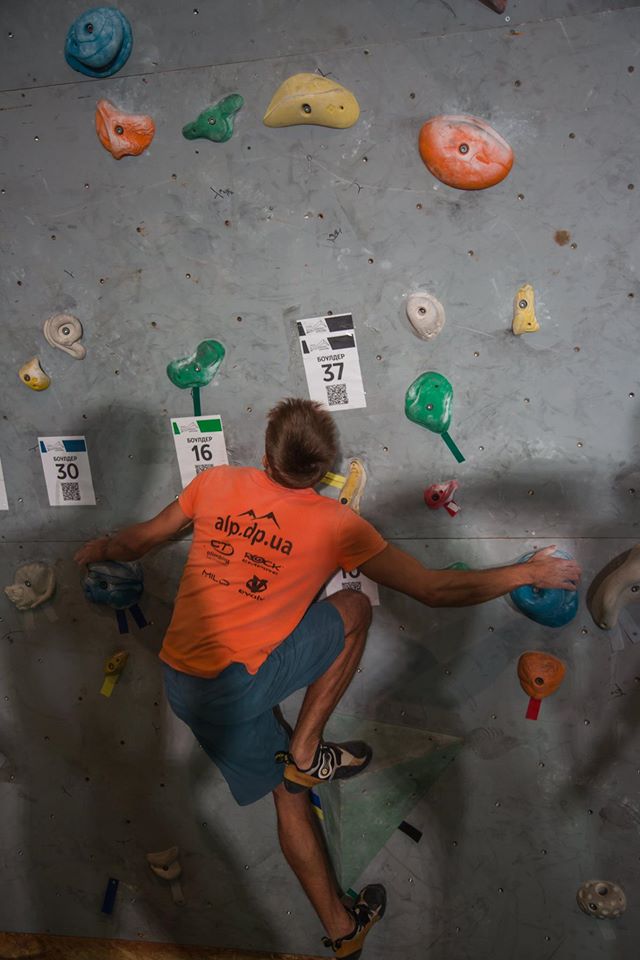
(32, 374)
(351, 493)
(524, 311)
(112, 670)
(310, 98)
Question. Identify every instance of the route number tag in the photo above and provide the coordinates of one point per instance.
(199, 445)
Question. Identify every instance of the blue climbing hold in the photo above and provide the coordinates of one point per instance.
(551, 608)
(118, 585)
(99, 42)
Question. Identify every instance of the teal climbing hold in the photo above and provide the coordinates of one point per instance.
(215, 122)
(199, 369)
(99, 42)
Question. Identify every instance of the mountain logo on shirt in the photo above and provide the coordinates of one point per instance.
(253, 533)
(264, 516)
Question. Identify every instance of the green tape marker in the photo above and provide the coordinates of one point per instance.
(454, 450)
(197, 409)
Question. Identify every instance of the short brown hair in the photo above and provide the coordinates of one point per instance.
(301, 442)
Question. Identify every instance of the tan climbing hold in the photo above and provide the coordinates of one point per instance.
(165, 864)
(425, 314)
(524, 311)
(33, 584)
(310, 98)
(64, 331)
(354, 485)
(602, 899)
(33, 376)
(617, 585)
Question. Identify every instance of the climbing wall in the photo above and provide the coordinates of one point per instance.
(236, 241)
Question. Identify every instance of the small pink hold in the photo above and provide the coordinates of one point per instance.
(441, 495)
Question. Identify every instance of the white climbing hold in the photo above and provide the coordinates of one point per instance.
(425, 314)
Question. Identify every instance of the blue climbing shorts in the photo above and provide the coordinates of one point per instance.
(232, 714)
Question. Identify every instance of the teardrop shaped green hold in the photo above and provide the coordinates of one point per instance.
(199, 369)
(216, 122)
(429, 402)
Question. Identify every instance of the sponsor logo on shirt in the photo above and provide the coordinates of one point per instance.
(255, 588)
(257, 561)
(253, 532)
(257, 584)
(216, 556)
(220, 551)
(210, 575)
(221, 546)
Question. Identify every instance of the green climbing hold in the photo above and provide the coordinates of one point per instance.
(216, 122)
(199, 369)
(428, 402)
(458, 565)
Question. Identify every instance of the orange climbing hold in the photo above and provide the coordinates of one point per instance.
(540, 674)
(123, 134)
(464, 152)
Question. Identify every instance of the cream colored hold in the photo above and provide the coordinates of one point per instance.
(33, 376)
(425, 314)
(602, 899)
(524, 311)
(166, 865)
(33, 584)
(310, 98)
(617, 585)
(64, 331)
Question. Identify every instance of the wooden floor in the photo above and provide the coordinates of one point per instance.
(19, 945)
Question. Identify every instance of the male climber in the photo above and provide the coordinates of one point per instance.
(247, 631)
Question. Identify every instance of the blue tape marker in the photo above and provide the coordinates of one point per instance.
(110, 895)
(121, 617)
(138, 616)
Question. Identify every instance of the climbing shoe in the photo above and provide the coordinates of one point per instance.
(332, 761)
(369, 908)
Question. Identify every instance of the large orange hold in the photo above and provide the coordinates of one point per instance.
(465, 152)
(123, 134)
(540, 674)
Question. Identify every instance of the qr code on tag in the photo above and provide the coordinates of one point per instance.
(201, 467)
(70, 491)
(352, 586)
(337, 394)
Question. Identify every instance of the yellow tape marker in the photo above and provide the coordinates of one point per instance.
(112, 669)
(333, 480)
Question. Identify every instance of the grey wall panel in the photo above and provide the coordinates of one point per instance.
(176, 35)
(531, 414)
(146, 243)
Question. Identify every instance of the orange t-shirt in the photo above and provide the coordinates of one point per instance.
(260, 554)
